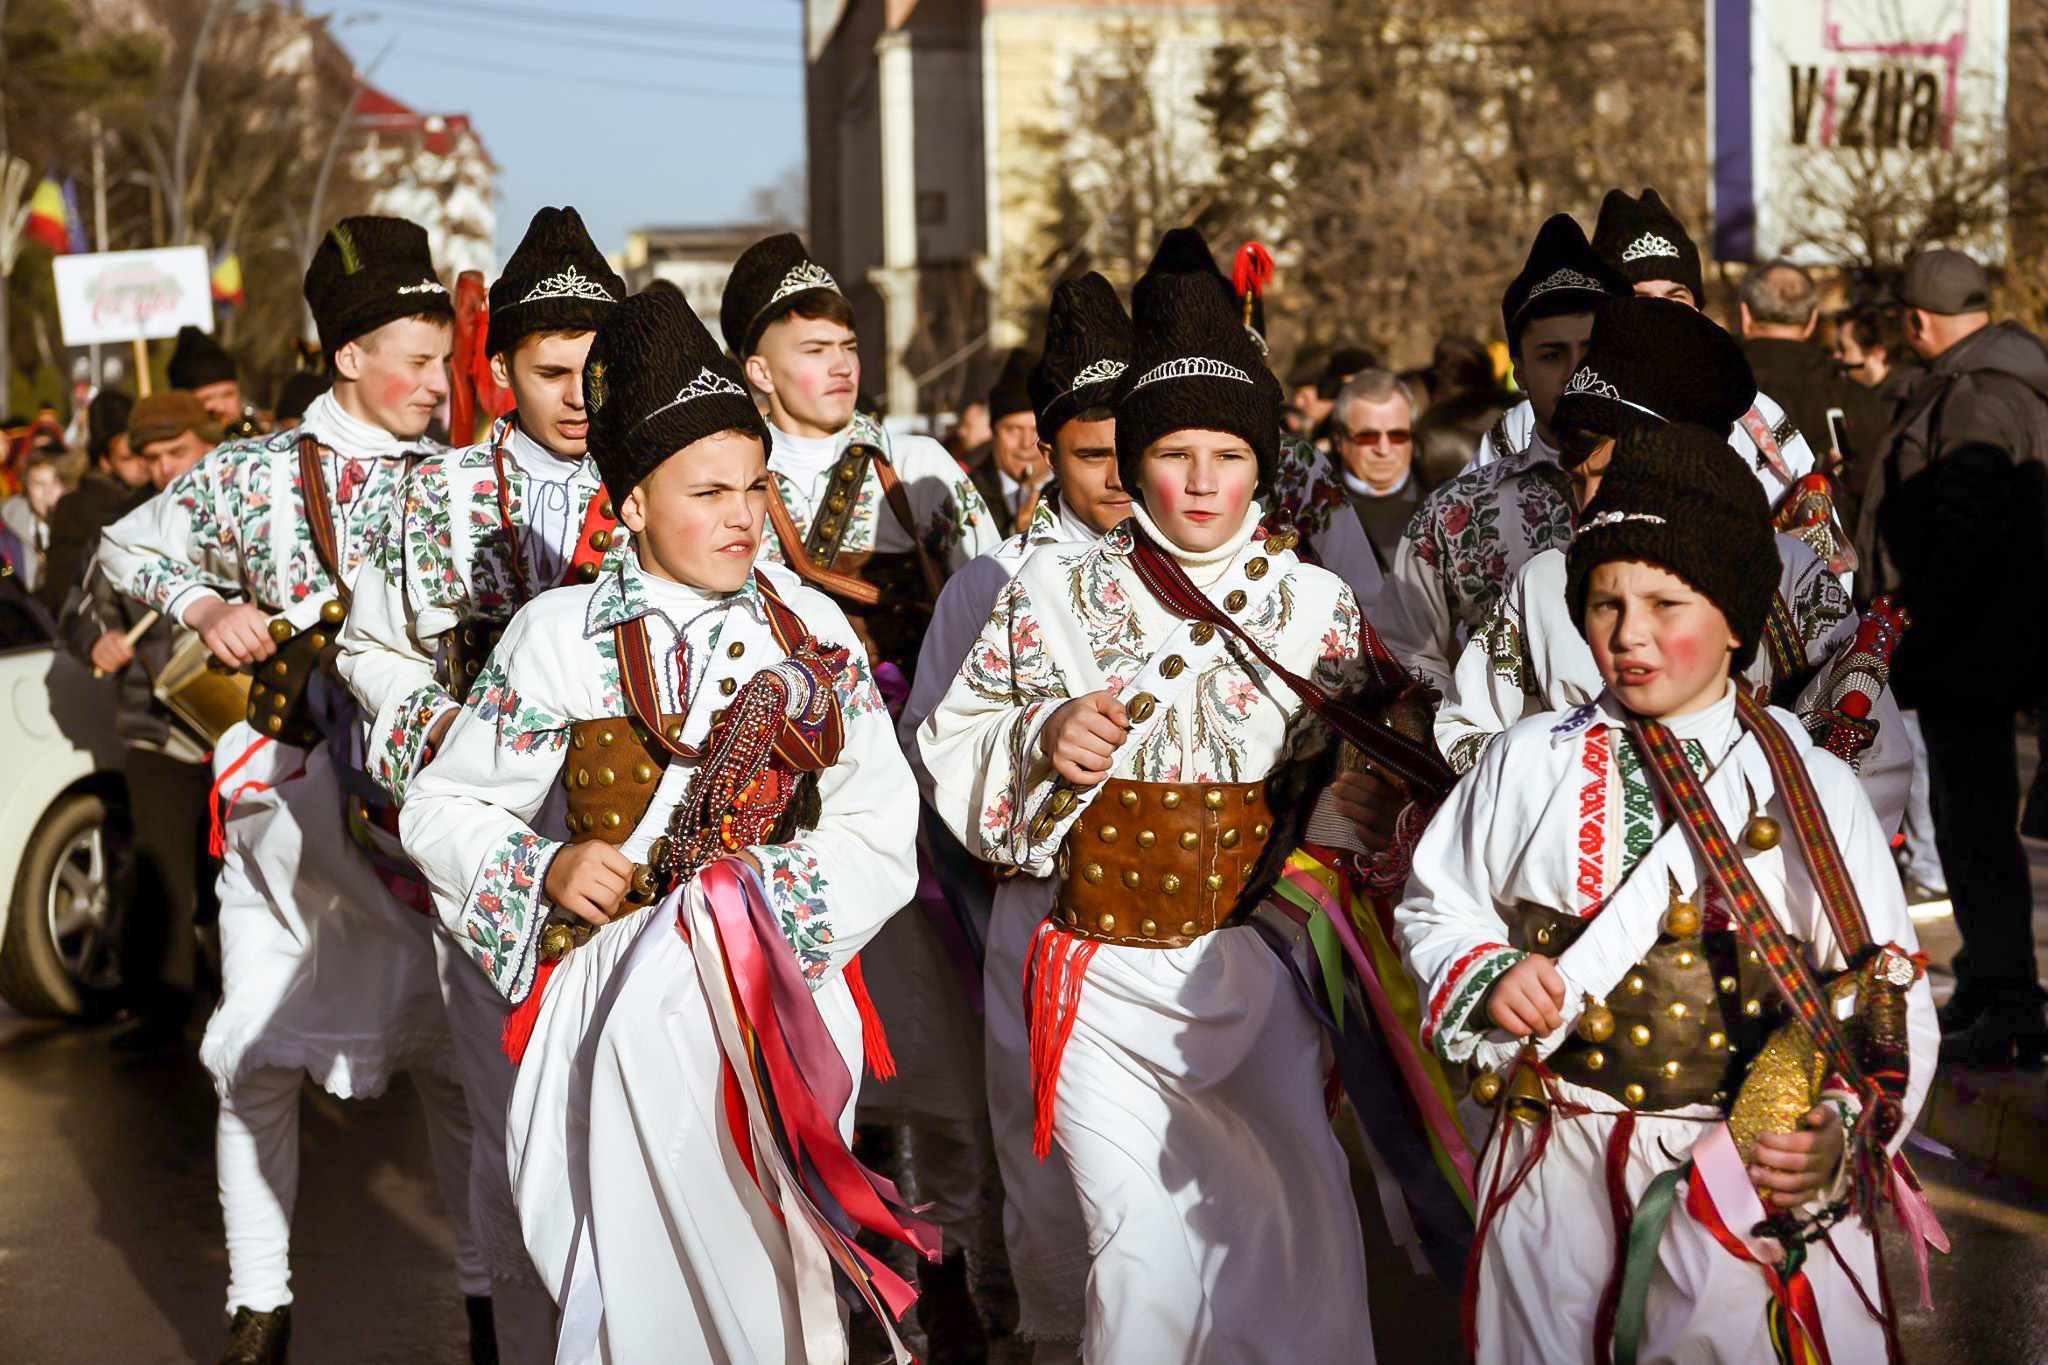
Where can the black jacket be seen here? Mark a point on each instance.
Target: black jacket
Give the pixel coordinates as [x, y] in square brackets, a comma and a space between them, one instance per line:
[76, 521]
[1957, 524]
[1809, 385]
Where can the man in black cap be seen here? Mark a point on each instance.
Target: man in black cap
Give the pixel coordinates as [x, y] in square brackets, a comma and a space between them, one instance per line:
[328, 964]
[1007, 471]
[115, 485]
[724, 752]
[475, 535]
[1956, 522]
[1471, 534]
[201, 366]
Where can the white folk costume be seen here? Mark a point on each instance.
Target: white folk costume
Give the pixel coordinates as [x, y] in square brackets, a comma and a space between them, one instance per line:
[677, 1205]
[1528, 655]
[323, 968]
[1704, 981]
[474, 535]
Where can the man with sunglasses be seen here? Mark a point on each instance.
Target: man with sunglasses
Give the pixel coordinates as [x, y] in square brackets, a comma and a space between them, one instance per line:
[1374, 435]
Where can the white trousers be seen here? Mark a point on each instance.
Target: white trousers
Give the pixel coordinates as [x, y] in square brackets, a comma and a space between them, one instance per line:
[1923, 860]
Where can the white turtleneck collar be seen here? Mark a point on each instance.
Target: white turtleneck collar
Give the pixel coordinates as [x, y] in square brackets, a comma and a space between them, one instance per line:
[801, 457]
[1069, 526]
[348, 436]
[1203, 566]
[1362, 489]
[1714, 726]
[537, 461]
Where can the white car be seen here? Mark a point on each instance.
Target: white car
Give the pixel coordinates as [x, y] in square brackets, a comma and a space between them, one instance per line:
[60, 790]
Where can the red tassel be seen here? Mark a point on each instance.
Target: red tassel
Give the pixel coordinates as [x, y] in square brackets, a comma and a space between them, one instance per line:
[1252, 271]
[217, 834]
[874, 1042]
[519, 1023]
[1052, 998]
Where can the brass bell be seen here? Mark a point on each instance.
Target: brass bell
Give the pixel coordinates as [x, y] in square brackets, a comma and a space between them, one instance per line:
[1141, 707]
[1527, 1100]
[1234, 601]
[332, 611]
[1596, 1025]
[1682, 920]
[280, 629]
[1762, 833]
[555, 942]
[1486, 1087]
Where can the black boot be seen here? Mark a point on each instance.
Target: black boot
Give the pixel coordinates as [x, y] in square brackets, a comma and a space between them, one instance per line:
[945, 1309]
[258, 1338]
[1963, 1009]
[483, 1330]
[2008, 1032]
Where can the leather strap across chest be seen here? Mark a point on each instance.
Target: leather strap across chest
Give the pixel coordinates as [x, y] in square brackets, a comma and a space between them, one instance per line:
[319, 507]
[812, 557]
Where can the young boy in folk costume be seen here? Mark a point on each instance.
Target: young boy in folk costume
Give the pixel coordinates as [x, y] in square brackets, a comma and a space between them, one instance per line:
[473, 536]
[687, 1071]
[325, 970]
[1087, 349]
[1112, 730]
[1675, 911]
[1651, 364]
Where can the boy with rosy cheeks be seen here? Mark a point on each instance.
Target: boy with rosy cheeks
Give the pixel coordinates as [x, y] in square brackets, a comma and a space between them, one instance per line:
[1577, 910]
[1120, 730]
[699, 711]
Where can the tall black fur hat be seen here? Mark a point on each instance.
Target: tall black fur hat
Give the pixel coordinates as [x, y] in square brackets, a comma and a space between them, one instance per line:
[1193, 365]
[556, 281]
[654, 382]
[1012, 389]
[1644, 240]
[198, 360]
[1087, 349]
[1678, 497]
[369, 271]
[1562, 275]
[1184, 251]
[1652, 361]
[770, 278]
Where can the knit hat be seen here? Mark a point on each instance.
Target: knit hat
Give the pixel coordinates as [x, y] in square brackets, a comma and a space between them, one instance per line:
[167, 415]
[369, 271]
[1345, 364]
[105, 418]
[1678, 497]
[1562, 275]
[1012, 389]
[768, 281]
[654, 382]
[198, 360]
[1652, 361]
[1645, 241]
[298, 393]
[1184, 251]
[1087, 349]
[556, 281]
[1193, 366]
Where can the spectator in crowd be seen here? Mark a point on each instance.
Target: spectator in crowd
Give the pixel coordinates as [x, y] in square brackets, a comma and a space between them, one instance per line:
[1319, 418]
[1842, 420]
[1871, 348]
[971, 432]
[1464, 400]
[116, 482]
[172, 877]
[200, 366]
[1008, 471]
[298, 391]
[1301, 392]
[1375, 435]
[46, 475]
[1957, 524]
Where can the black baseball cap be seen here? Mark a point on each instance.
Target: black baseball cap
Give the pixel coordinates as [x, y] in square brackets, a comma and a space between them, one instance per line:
[1944, 281]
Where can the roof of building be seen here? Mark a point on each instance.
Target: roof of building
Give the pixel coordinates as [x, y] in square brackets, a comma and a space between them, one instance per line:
[438, 133]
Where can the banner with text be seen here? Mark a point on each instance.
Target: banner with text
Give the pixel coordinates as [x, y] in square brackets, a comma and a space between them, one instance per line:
[113, 296]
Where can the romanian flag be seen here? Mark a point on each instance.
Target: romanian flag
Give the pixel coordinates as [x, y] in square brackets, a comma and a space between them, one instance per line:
[227, 280]
[53, 217]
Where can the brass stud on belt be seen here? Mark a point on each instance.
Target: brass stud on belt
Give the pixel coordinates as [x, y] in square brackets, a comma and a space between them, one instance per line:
[1671, 1069]
[1633, 1093]
[605, 510]
[830, 528]
[1107, 924]
[1188, 928]
[604, 737]
[1259, 830]
[277, 701]
[280, 629]
[332, 611]
[1543, 935]
[1595, 1060]
[1634, 985]
[1214, 881]
[675, 732]
[1229, 839]
[1677, 1009]
[1141, 707]
[1255, 570]
[1235, 601]
[718, 716]
[1687, 958]
[1727, 985]
[1190, 839]
[837, 502]
[643, 772]
[274, 724]
[1682, 920]
[611, 819]
[583, 777]
[1640, 1035]
[1092, 874]
[1108, 834]
[281, 669]
[1172, 666]
[1146, 838]
[1717, 1041]
[605, 777]
[1596, 1025]
[735, 649]
[1752, 1008]
[319, 640]
[600, 540]
[586, 572]
[1203, 633]
[1170, 884]
[1171, 800]
[1213, 798]
[469, 635]
[728, 686]
[1755, 956]
[1251, 796]
[1131, 877]
[1127, 798]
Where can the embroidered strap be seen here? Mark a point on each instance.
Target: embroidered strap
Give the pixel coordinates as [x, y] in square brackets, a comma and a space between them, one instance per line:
[319, 506]
[1781, 637]
[800, 563]
[1823, 855]
[1416, 764]
[899, 503]
[828, 527]
[1767, 443]
[513, 548]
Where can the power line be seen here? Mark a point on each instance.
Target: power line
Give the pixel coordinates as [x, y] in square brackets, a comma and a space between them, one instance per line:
[579, 78]
[789, 64]
[555, 19]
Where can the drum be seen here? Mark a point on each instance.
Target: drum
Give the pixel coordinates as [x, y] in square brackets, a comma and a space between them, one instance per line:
[195, 689]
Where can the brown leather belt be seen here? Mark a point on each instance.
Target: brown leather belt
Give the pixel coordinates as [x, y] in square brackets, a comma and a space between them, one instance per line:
[469, 648]
[1159, 864]
[278, 705]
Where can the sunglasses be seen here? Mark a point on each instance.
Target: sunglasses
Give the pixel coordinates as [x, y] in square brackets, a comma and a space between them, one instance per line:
[1400, 438]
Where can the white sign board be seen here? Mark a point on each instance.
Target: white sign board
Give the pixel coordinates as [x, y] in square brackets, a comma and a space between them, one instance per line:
[108, 296]
[1840, 125]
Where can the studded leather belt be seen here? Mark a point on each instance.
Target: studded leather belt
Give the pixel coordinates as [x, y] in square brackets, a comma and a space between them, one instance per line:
[1159, 864]
[277, 688]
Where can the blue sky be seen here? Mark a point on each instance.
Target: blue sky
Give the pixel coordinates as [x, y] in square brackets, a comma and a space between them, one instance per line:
[635, 111]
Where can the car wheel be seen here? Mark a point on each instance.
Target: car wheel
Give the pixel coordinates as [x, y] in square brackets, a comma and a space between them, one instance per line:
[61, 954]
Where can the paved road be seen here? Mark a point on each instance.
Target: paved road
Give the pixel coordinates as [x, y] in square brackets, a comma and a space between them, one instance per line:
[110, 1237]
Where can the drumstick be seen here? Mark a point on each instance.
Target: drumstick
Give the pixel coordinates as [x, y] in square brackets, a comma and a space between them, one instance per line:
[135, 632]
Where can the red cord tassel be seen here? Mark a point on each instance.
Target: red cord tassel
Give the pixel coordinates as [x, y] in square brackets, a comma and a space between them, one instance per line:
[1052, 998]
[874, 1042]
[519, 1023]
[217, 833]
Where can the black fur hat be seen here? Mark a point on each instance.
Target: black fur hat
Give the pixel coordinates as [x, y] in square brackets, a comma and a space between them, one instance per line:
[770, 278]
[1193, 366]
[556, 281]
[654, 382]
[1645, 241]
[1562, 275]
[1087, 349]
[105, 418]
[198, 360]
[1012, 389]
[369, 271]
[1678, 497]
[1652, 361]
[1184, 251]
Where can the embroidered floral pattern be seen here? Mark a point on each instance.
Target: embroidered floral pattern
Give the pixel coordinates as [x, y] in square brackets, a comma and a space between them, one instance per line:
[1305, 488]
[522, 727]
[797, 888]
[1476, 530]
[501, 923]
[400, 749]
[1461, 993]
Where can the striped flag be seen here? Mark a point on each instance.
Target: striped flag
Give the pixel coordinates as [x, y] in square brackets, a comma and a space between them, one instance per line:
[227, 280]
[53, 217]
